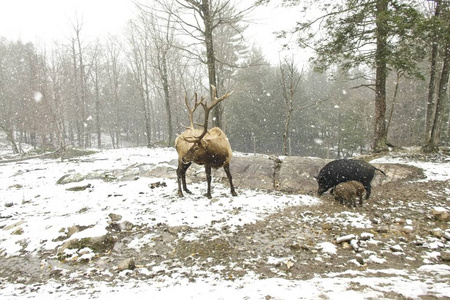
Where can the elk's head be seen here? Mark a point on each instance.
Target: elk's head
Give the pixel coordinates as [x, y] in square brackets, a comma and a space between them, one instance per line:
[198, 151]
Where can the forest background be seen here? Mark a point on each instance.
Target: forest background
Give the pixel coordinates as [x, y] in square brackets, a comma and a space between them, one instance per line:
[129, 89]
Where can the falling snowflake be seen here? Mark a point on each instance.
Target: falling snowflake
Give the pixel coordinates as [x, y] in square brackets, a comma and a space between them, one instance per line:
[37, 96]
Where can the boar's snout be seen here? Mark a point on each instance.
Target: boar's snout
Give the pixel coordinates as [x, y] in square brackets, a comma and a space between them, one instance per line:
[321, 190]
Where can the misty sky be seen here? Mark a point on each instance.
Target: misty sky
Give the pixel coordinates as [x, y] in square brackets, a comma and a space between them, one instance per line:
[46, 21]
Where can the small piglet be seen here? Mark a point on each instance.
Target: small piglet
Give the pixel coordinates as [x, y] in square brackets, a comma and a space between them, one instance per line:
[349, 191]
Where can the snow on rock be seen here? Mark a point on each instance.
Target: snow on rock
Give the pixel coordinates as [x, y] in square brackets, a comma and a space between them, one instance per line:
[438, 269]
[327, 247]
[437, 171]
[440, 213]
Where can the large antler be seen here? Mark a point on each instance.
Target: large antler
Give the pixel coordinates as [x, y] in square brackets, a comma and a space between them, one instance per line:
[192, 110]
[207, 108]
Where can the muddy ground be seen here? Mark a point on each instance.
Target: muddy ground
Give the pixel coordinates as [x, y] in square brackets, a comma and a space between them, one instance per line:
[400, 233]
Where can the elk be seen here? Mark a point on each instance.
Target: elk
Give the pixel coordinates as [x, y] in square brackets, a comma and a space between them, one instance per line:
[202, 146]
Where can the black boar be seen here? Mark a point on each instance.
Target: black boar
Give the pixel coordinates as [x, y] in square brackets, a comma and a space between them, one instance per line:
[349, 191]
[342, 170]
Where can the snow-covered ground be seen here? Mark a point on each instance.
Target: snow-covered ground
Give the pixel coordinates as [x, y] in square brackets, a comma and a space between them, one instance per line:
[35, 213]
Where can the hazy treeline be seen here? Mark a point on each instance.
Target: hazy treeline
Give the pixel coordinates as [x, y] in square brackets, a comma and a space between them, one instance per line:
[129, 90]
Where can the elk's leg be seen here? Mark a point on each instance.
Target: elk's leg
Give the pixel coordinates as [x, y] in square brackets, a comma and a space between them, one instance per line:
[208, 180]
[181, 177]
[230, 179]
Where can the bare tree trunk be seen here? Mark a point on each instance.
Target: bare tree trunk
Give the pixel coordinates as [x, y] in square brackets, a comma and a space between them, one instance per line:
[433, 144]
[394, 100]
[79, 132]
[10, 135]
[84, 138]
[380, 133]
[165, 81]
[97, 112]
[431, 105]
[433, 133]
[211, 59]
[289, 80]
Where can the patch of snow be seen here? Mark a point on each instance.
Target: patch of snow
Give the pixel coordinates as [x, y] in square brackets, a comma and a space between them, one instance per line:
[443, 270]
[328, 248]
[377, 260]
[432, 170]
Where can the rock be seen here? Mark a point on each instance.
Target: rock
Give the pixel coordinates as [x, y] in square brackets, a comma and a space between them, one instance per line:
[295, 174]
[295, 246]
[382, 229]
[126, 226]
[375, 221]
[440, 213]
[327, 226]
[115, 217]
[445, 256]
[17, 224]
[70, 178]
[360, 260]
[72, 230]
[365, 236]
[9, 204]
[373, 258]
[17, 231]
[355, 245]
[16, 186]
[437, 232]
[178, 229]
[408, 229]
[157, 184]
[345, 238]
[346, 245]
[108, 177]
[396, 248]
[62, 179]
[253, 172]
[127, 264]
[447, 235]
[100, 244]
[79, 188]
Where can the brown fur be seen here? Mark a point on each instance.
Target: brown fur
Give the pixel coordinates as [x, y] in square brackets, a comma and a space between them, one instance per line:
[349, 191]
[209, 148]
[213, 151]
